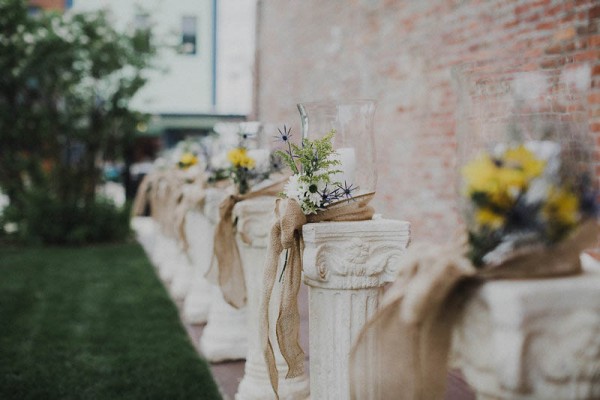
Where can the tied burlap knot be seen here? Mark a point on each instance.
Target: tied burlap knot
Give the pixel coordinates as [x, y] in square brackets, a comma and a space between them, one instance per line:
[142, 196]
[226, 267]
[192, 196]
[286, 234]
[402, 352]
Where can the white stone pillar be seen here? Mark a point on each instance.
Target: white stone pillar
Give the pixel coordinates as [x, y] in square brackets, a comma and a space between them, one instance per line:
[255, 218]
[532, 339]
[345, 267]
[200, 236]
[167, 264]
[225, 336]
[182, 278]
[145, 232]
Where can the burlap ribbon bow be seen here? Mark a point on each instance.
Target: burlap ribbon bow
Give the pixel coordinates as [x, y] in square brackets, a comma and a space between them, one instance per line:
[142, 196]
[226, 268]
[191, 196]
[402, 353]
[286, 234]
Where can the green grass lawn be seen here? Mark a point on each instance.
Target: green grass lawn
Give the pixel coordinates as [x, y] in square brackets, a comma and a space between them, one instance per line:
[92, 323]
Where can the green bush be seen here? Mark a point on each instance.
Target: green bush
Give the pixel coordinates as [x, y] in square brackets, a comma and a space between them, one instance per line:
[66, 83]
[49, 220]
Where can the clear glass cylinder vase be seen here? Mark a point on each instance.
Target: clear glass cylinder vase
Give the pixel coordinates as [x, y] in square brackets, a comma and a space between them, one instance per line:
[353, 141]
[524, 154]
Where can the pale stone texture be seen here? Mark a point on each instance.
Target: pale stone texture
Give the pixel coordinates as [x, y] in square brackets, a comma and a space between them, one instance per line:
[225, 336]
[165, 257]
[200, 236]
[532, 339]
[345, 266]
[182, 278]
[145, 232]
[255, 218]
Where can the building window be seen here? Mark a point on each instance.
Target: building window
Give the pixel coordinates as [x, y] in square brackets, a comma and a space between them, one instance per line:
[188, 35]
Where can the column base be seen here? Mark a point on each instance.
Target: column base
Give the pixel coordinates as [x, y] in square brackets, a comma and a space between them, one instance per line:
[182, 278]
[196, 305]
[168, 265]
[258, 387]
[225, 336]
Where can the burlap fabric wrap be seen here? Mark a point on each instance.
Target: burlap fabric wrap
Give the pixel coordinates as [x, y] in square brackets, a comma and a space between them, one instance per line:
[226, 267]
[192, 196]
[171, 194]
[142, 196]
[286, 234]
[402, 353]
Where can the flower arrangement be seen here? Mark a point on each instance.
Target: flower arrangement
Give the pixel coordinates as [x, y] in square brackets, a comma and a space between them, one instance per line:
[244, 165]
[187, 160]
[316, 180]
[518, 196]
[241, 168]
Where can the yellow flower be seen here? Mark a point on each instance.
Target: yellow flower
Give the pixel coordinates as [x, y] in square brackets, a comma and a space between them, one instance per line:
[511, 178]
[479, 174]
[483, 175]
[247, 162]
[502, 180]
[486, 217]
[562, 207]
[522, 159]
[239, 158]
[187, 160]
[236, 155]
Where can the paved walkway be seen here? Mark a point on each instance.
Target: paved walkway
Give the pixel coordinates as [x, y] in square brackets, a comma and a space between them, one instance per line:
[229, 374]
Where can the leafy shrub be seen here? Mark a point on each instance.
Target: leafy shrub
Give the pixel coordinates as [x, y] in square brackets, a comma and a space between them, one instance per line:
[49, 220]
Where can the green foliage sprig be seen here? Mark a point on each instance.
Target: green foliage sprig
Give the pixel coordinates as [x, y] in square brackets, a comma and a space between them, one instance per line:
[314, 165]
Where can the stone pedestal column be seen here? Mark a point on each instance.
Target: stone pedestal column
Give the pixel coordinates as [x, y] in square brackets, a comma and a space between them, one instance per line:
[345, 267]
[255, 218]
[182, 278]
[225, 336]
[145, 233]
[200, 236]
[533, 339]
[170, 261]
[163, 255]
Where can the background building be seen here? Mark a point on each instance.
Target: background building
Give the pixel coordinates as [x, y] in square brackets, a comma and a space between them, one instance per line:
[204, 68]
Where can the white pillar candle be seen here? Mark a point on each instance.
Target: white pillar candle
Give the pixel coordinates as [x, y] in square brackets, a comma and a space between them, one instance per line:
[347, 158]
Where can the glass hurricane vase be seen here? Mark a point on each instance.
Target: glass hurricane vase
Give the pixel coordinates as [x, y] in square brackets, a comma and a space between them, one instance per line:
[353, 140]
[525, 156]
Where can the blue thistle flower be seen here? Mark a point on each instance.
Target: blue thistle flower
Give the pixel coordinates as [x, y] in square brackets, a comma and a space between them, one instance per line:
[329, 196]
[285, 135]
[347, 190]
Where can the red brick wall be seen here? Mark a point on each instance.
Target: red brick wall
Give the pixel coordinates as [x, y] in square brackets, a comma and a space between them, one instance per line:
[400, 53]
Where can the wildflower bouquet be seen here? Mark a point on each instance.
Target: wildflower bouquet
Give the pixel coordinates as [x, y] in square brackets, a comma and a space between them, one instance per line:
[187, 160]
[521, 195]
[247, 167]
[315, 183]
[241, 168]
